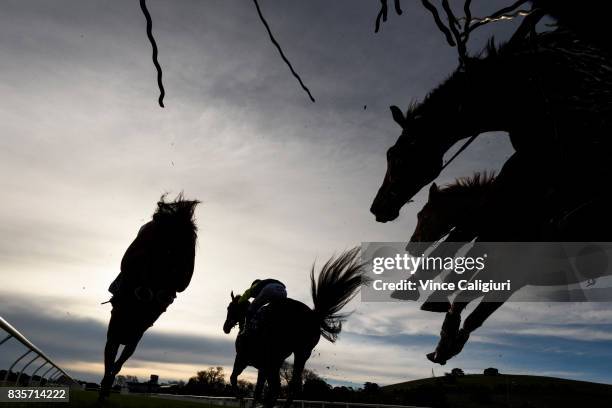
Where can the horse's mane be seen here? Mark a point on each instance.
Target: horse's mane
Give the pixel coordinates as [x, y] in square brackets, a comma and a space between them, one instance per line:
[559, 47]
[179, 211]
[478, 182]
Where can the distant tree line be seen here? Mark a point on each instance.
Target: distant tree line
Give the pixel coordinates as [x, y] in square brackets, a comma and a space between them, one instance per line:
[211, 381]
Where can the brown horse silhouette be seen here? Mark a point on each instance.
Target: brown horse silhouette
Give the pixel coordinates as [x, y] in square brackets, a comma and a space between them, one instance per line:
[290, 327]
[463, 210]
[549, 91]
[158, 264]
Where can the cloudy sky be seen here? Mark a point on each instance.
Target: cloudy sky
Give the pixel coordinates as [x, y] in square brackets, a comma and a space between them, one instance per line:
[85, 153]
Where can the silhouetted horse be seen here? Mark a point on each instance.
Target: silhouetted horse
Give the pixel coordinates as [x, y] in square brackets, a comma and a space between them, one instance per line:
[449, 214]
[549, 91]
[460, 212]
[587, 18]
[289, 326]
[157, 265]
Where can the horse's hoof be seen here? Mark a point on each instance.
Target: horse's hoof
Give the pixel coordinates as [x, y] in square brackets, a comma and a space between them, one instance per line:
[103, 396]
[434, 358]
[437, 307]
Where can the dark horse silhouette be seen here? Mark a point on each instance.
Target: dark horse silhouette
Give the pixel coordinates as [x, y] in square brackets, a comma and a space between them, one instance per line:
[459, 212]
[158, 264]
[587, 18]
[548, 91]
[290, 327]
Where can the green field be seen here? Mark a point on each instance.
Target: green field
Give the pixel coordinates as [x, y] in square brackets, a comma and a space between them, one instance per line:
[89, 399]
[516, 391]
[469, 391]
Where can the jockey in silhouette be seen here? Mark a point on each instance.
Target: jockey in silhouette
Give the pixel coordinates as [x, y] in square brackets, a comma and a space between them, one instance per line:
[262, 292]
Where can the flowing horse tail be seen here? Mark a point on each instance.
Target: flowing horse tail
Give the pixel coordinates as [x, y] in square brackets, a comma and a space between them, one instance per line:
[337, 283]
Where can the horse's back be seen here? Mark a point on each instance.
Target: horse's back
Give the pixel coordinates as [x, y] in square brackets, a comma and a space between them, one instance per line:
[289, 322]
[166, 252]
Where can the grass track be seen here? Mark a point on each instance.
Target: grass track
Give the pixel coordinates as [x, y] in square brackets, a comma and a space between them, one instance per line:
[89, 399]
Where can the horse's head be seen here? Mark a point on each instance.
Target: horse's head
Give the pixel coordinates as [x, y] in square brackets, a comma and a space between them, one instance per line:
[453, 207]
[433, 222]
[236, 313]
[413, 162]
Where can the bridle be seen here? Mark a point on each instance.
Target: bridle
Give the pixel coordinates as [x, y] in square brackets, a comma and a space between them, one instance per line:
[458, 152]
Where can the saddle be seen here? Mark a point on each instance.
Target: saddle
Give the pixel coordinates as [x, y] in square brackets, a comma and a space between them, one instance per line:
[142, 296]
[259, 320]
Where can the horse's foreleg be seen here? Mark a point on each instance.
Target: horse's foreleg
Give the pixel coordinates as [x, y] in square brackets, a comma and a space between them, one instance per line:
[438, 300]
[110, 352]
[239, 366]
[261, 380]
[490, 303]
[439, 303]
[475, 319]
[126, 353]
[449, 334]
[273, 378]
[295, 386]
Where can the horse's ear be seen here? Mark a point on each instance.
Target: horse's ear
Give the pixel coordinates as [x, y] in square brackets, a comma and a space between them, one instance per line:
[232, 295]
[433, 190]
[398, 116]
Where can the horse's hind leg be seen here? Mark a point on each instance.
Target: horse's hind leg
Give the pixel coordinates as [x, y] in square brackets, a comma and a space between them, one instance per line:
[299, 361]
[261, 380]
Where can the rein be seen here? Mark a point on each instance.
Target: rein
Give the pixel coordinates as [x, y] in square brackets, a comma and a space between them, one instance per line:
[461, 149]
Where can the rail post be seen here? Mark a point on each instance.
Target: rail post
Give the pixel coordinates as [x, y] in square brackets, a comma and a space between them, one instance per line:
[42, 377]
[35, 371]
[24, 367]
[5, 339]
[14, 333]
[6, 375]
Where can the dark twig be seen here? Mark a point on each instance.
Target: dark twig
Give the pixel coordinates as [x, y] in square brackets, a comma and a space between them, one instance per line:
[398, 7]
[162, 92]
[468, 19]
[434, 12]
[453, 24]
[382, 14]
[280, 50]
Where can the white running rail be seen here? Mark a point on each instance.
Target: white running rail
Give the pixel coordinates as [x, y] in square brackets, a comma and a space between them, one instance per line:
[52, 371]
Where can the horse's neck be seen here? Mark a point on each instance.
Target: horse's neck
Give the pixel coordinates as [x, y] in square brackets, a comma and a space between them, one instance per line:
[464, 205]
[487, 98]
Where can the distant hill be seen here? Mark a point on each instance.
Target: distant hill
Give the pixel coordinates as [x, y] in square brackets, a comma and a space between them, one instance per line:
[516, 391]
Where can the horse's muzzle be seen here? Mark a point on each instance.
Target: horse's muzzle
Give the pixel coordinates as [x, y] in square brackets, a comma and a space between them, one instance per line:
[382, 211]
[227, 327]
